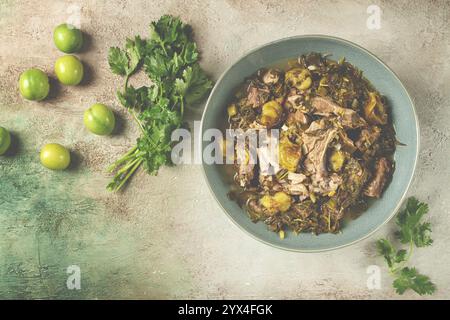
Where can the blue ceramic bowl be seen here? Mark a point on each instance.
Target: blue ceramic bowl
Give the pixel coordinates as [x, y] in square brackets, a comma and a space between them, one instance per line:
[404, 119]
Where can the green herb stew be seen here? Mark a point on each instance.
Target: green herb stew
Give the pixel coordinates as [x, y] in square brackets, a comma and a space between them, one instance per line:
[336, 144]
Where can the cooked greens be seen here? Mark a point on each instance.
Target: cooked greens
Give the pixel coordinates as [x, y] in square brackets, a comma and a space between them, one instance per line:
[335, 148]
[170, 60]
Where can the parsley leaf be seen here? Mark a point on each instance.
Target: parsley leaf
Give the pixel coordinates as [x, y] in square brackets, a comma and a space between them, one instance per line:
[390, 254]
[166, 30]
[409, 278]
[133, 98]
[400, 256]
[415, 233]
[124, 62]
[193, 85]
[158, 66]
[170, 60]
[189, 54]
[118, 61]
[411, 229]
[386, 249]
[422, 236]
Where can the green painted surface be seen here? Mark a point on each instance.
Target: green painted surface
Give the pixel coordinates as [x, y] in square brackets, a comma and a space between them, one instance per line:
[48, 222]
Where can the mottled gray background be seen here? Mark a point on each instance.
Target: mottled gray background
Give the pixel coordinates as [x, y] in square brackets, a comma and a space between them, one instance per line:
[165, 237]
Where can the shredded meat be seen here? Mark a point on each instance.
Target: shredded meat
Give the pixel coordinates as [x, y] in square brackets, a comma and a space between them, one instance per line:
[295, 101]
[298, 117]
[325, 184]
[382, 174]
[346, 143]
[257, 96]
[271, 76]
[267, 182]
[348, 117]
[296, 184]
[245, 174]
[316, 140]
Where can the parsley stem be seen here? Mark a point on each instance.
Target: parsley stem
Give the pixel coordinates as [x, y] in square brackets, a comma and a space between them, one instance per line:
[127, 166]
[113, 166]
[163, 47]
[411, 248]
[126, 82]
[133, 113]
[130, 173]
[123, 159]
[182, 107]
[399, 266]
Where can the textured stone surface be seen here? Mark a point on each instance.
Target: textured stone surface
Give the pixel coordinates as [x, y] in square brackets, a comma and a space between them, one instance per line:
[165, 237]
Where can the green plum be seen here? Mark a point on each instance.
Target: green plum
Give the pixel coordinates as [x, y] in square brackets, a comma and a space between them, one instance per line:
[34, 85]
[68, 38]
[69, 70]
[5, 140]
[54, 156]
[99, 119]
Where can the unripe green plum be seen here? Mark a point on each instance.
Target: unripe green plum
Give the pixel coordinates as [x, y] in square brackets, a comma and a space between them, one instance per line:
[34, 85]
[54, 156]
[68, 38]
[99, 119]
[69, 70]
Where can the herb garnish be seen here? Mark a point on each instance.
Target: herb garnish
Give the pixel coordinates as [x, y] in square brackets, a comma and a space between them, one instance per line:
[170, 59]
[415, 233]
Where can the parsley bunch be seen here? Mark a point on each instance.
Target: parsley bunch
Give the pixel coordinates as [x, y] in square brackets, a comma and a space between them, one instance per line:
[415, 233]
[169, 57]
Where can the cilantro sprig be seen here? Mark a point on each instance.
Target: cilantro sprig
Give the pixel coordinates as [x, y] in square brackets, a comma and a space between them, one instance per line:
[416, 233]
[169, 57]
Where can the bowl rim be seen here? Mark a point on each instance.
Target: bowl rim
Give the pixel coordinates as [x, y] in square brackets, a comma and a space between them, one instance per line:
[348, 42]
